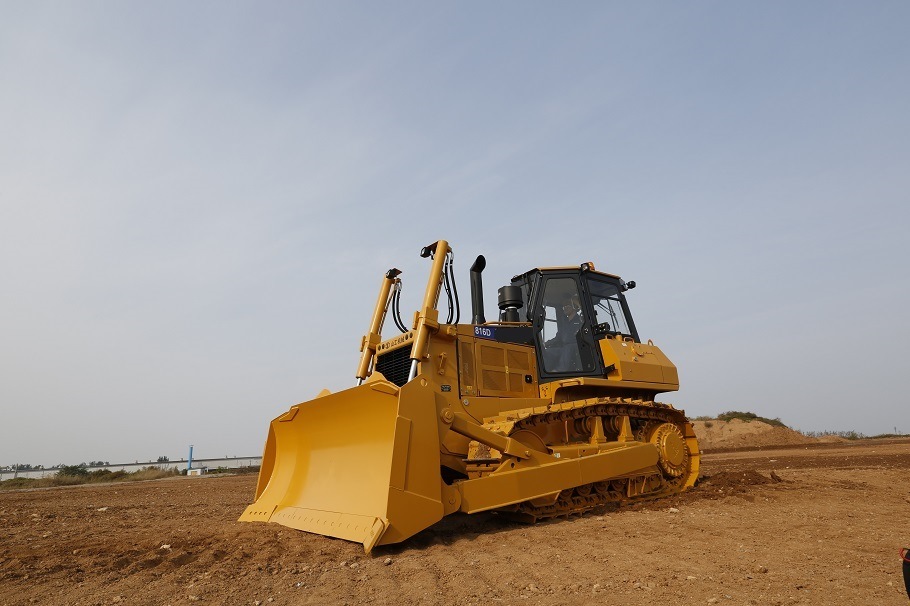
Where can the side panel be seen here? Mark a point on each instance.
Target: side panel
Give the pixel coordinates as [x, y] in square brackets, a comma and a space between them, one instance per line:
[638, 363]
[505, 370]
[493, 369]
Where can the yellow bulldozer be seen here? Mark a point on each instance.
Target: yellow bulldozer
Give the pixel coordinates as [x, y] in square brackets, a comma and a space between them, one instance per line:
[547, 411]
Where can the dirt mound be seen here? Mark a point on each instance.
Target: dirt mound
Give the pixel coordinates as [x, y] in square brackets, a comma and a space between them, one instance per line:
[736, 433]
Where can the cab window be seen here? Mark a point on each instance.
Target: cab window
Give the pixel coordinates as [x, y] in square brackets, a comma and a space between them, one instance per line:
[609, 316]
[560, 331]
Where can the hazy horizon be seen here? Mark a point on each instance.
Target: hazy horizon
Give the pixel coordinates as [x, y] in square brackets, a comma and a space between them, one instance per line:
[198, 201]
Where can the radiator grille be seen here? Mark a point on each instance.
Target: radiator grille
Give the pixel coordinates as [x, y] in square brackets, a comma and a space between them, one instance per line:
[395, 365]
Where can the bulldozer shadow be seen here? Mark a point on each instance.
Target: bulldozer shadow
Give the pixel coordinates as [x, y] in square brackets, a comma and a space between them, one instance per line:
[462, 527]
[451, 530]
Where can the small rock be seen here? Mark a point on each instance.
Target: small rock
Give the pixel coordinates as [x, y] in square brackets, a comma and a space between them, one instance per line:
[193, 598]
[776, 477]
[712, 600]
[101, 509]
[116, 599]
[761, 569]
[271, 600]
[387, 561]
[673, 510]
[165, 546]
[344, 562]
[691, 578]
[257, 603]
[354, 564]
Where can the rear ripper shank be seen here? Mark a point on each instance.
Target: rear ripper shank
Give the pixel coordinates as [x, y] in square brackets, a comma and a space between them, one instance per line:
[547, 411]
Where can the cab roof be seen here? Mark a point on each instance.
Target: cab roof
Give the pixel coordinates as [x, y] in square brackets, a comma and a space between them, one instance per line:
[567, 268]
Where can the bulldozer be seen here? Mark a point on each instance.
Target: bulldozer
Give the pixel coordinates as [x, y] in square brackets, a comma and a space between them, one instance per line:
[547, 411]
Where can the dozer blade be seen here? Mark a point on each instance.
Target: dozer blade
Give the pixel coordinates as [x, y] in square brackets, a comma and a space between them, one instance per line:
[361, 465]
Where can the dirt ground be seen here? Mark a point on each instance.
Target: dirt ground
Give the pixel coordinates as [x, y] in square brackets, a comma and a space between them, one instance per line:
[828, 533]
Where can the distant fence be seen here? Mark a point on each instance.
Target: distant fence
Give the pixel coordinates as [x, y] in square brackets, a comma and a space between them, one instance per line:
[228, 463]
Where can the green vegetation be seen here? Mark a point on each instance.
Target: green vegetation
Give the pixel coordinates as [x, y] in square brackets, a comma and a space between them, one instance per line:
[70, 475]
[847, 435]
[747, 417]
[742, 416]
[851, 435]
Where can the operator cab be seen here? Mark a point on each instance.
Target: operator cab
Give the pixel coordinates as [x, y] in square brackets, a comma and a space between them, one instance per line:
[570, 309]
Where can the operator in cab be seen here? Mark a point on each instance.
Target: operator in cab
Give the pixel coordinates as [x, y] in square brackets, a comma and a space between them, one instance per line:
[563, 348]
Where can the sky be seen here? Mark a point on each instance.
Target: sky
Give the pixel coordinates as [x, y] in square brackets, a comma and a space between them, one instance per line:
[198, 200]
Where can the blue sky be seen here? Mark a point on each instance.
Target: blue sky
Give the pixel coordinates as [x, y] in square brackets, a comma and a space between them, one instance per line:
[197, 201]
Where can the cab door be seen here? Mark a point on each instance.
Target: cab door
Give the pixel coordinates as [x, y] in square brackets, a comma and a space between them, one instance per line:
[562, 330]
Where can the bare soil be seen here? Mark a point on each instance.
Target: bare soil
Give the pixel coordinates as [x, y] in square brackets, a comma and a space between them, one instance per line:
[828, 532]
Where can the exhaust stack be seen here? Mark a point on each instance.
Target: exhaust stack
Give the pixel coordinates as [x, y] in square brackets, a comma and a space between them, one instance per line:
[477, 290]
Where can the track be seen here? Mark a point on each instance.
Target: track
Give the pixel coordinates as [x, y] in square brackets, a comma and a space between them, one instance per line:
[585, 424]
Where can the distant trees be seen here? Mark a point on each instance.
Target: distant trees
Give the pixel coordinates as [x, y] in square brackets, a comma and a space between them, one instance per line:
[163, 459]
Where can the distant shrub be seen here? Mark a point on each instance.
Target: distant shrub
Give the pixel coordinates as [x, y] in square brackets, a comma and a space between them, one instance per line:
[245, 470]
[747, 417]
[70, 475]
[106, 475]
[20, 483]
[72, 471]
[709, 424]
[847, 435]
[153, 473]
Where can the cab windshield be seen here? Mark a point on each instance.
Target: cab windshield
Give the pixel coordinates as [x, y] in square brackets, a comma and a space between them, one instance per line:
[608, 311]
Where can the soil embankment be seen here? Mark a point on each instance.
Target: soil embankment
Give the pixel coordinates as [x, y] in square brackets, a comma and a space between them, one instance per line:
[736, 433]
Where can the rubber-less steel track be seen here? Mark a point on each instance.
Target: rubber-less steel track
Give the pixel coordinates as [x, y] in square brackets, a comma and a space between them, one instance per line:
[649, 421]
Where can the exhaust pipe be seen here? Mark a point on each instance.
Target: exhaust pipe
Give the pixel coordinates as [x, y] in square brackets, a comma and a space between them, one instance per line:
[477, 291]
